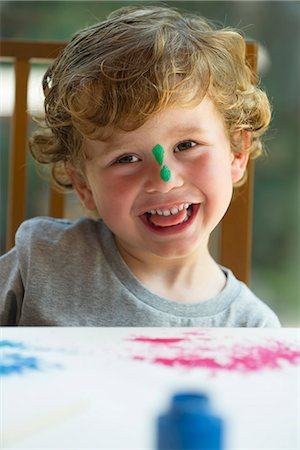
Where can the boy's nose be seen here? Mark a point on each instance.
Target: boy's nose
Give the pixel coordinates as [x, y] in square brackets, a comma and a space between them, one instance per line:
[162, 178]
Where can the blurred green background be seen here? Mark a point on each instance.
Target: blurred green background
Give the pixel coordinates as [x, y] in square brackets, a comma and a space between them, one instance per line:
[276, 27]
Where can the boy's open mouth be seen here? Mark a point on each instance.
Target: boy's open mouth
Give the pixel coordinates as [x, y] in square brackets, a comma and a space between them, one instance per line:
[161, 219]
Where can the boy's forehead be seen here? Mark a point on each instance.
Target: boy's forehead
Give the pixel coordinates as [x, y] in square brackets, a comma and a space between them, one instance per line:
[175, 122]
[119, 137]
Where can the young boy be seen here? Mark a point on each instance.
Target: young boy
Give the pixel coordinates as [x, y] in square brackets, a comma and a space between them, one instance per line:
[151, 118]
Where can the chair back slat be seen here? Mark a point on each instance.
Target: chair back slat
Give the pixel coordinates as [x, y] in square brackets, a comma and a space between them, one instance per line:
[236, 226]
[22, 54]
[236, 231]
[17, 166]
[30, 50]
[56, 206]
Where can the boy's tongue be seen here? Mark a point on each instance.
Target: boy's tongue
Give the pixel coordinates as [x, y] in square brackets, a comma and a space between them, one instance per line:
[167, 221]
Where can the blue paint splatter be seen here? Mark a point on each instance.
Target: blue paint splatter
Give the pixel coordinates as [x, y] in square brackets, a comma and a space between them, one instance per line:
[10, 344]
[16, 359]
[15, 363]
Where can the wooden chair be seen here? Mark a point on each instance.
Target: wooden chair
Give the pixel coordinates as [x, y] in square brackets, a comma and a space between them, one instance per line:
[236, 227]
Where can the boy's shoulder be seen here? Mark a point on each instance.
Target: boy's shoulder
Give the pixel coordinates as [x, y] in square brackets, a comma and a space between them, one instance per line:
[42, 223]
[246, 308]
[49, 232]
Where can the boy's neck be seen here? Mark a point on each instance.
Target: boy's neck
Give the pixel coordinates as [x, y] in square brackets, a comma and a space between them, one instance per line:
[189, 279]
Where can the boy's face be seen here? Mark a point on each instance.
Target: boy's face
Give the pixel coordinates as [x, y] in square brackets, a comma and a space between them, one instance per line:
[124, 181]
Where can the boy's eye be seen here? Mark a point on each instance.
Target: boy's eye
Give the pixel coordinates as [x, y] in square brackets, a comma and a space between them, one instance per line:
[185, 145]
[127, 159]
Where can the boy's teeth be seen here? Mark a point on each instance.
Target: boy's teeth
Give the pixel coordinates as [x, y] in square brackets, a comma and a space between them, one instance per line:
[168, 212]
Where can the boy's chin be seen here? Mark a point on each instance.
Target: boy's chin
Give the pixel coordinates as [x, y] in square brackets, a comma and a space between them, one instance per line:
[161, 250]
[184, 248]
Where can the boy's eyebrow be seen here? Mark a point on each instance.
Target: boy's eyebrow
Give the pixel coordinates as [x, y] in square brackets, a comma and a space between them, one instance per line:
[189, 129]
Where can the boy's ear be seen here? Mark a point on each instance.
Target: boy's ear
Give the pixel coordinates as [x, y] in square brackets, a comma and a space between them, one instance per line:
[240, 159]
[81, 186]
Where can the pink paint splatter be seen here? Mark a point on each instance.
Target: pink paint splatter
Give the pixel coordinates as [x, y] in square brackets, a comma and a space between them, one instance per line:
[188, 352]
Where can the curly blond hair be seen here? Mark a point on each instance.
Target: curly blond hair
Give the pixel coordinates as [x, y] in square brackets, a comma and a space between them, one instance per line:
[140, 60]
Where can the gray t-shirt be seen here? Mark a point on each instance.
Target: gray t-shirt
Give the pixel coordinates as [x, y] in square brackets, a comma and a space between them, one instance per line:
[64, 273]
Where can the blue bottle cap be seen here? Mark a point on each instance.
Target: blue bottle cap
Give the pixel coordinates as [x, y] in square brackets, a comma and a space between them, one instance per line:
[189, 424]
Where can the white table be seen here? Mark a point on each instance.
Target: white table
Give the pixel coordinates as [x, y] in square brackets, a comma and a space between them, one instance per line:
[103, 388]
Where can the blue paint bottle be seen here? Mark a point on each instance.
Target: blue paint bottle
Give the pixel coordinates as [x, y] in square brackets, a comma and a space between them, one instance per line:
[189, 424]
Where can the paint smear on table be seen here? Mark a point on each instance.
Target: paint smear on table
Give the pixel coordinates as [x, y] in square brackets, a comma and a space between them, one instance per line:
[201, 350]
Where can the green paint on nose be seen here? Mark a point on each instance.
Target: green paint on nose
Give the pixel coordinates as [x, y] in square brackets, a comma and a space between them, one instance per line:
[158, 153]
[165, 173]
